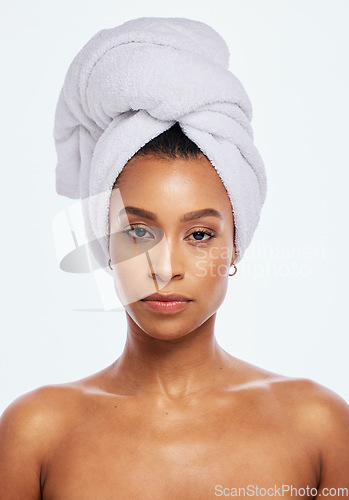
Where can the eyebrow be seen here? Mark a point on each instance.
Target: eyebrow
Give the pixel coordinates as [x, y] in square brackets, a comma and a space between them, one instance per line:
[189, 216]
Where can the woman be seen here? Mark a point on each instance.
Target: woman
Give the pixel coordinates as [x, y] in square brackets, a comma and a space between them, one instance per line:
[175, 416]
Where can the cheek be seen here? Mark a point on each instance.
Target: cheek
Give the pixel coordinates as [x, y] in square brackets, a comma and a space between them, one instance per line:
[132, 280]
[210, 273]
[212, 262]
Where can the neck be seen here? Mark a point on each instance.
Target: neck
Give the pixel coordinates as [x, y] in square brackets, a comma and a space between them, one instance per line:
[174, 368]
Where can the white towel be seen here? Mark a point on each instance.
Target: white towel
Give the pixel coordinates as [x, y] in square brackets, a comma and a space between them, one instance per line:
[129, 84]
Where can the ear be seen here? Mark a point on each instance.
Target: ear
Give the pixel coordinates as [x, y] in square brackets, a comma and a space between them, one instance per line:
[233, 257]
[234, 254]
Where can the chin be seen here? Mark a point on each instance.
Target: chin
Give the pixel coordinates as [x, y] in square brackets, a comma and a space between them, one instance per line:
[165, 326]
[168, 335]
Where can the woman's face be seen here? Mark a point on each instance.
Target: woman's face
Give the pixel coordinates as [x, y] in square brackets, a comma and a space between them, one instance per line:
[163, 241]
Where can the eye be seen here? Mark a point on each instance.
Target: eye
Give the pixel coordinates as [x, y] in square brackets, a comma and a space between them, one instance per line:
[139, 232]
[199, 235]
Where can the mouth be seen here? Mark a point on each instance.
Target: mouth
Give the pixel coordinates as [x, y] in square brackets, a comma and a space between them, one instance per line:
[166, 302]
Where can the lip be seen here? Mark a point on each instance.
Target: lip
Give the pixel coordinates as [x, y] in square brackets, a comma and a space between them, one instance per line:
[166, 302]
[167, 297]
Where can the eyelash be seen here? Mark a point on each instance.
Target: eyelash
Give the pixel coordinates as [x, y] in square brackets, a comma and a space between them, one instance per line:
[131, 227]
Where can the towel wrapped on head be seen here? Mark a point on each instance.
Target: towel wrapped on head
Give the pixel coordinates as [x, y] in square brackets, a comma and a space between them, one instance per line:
[129, 84]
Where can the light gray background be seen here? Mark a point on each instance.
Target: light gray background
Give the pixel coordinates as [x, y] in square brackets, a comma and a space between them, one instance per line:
[286, 309]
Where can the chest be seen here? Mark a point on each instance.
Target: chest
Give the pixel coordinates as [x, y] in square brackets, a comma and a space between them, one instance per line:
[151, 456]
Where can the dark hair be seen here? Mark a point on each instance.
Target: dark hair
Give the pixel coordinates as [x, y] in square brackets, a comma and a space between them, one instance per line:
[172, 144]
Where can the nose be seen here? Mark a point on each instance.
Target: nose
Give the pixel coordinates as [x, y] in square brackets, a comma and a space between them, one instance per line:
[166, 261]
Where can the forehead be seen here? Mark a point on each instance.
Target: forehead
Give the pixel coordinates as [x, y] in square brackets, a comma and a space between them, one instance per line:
[172, 183]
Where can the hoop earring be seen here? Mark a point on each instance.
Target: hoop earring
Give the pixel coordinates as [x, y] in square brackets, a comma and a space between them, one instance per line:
[109, 262]
[234, 271]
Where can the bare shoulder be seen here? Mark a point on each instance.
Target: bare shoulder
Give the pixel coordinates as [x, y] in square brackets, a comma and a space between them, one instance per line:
[314, 403]
[298, 392]
[305, 401]
[313, 412]
[324, 418]
[47, 408]
[36, 411]
[29, 428]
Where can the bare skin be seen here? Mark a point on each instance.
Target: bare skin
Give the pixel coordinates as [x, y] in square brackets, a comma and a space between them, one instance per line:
[175, 416]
